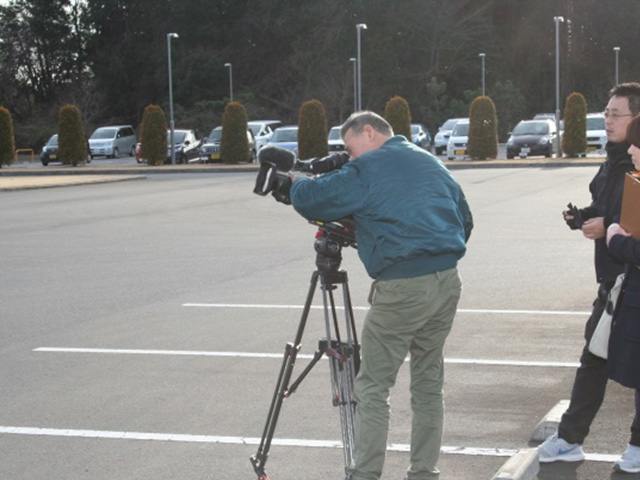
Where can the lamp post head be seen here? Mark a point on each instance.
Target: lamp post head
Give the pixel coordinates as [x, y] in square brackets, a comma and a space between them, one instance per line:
[616, 49]
[172, 35]
[361, 26]
[482, 55]
[227, 65]
[558, 19]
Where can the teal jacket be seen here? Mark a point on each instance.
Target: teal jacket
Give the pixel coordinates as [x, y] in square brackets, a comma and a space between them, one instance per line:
[411, 215]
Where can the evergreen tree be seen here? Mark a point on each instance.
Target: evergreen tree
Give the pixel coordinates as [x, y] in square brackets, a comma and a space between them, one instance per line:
[312, 131]
[7, 146]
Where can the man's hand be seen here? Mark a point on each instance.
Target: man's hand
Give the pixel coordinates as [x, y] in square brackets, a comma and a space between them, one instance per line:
[615, 229]
[593, 229]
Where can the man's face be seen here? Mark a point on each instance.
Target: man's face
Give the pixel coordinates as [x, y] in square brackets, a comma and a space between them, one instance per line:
[617, 117]
[359, 143]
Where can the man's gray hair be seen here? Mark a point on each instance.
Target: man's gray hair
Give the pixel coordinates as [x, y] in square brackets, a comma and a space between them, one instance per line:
[358, 120]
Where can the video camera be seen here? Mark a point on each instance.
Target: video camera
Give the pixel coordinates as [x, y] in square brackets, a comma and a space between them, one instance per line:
[276, 162]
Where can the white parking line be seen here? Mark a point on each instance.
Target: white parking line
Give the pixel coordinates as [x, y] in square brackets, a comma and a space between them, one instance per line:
[283, 442]
[199, 353]
[461, 310]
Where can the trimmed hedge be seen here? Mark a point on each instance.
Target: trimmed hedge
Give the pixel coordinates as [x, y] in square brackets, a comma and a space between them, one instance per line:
[483, 129]
[574, 139]
[312, 130]
[153, 138]
[72, 143]
[234, 144]
[398, 114]
[7, 142]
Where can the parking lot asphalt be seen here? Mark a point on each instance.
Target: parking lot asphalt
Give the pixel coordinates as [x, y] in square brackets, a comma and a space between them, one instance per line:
[158, 362]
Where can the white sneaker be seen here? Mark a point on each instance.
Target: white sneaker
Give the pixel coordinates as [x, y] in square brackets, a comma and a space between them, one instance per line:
[555, 448]
[630, 460]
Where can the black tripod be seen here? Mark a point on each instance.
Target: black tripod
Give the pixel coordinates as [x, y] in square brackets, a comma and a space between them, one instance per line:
[343, 351]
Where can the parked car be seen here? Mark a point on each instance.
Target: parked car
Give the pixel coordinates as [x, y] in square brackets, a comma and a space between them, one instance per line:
[420, 136]
[210, 148]
[50, 151]
[596, 133]
[336, 144]
[286, 137]
[457, 145]
[263, 130]
[113, 140]
[531, 138]
[187, 145]
[442, 137]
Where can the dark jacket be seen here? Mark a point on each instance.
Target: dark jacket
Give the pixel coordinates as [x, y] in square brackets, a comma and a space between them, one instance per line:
[411, 215]
[606, 193]
[624, 342]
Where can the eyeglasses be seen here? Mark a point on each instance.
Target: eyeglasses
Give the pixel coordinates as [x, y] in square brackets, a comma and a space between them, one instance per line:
[616, 116]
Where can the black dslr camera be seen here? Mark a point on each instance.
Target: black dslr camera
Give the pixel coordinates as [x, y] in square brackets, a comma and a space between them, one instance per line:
[276, 162]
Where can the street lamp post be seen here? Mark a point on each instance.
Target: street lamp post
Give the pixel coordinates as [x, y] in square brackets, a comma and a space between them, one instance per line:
[355, 83]
[617, 50]
[228, 65]
[482, 56]
[359, 27]
[171, 123]
[557, 20]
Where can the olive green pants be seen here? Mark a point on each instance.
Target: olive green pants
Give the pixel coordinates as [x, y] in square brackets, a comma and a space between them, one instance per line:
[411, 315]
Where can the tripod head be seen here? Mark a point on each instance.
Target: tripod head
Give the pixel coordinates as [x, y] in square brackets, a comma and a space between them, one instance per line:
[330, 239]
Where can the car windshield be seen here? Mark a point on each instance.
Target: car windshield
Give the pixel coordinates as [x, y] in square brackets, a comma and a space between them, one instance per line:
[415, 129]
[334, 133]
[460, 130]
[215, 135]
[53, 141]
[595, 123]
[178, 137]
[531, 128]
[104, 133]
[255, 129]
[449, 124]
[285, 135]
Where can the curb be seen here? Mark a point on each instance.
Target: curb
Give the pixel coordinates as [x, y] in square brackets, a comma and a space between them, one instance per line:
[523, 465]
[549, 423]
[253, 167]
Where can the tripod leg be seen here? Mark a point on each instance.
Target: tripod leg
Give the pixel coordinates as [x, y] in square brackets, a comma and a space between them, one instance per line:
[282, 386]
[344, 360]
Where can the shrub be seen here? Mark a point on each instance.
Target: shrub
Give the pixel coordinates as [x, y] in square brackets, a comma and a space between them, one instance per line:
[234, 144]
[72, 143]
[397, 113]
[574, 139]
[483, 129]
[312, 130]
[153, 138]
[7, 145]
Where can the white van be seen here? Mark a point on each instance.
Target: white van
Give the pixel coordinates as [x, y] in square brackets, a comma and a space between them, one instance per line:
[112, 141]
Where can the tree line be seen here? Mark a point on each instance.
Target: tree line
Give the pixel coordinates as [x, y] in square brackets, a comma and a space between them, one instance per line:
[110, 59]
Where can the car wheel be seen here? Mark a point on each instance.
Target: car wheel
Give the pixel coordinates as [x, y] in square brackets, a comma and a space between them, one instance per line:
[510, 157]
[116, 153]
[44, 163]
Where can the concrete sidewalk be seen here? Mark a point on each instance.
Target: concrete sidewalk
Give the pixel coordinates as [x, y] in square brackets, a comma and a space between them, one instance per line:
[28, 182]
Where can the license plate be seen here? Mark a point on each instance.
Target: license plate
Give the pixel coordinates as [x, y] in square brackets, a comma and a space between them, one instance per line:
[591, 148]
[53, 156]
[524, 150]
[459, 152]
[214, 156]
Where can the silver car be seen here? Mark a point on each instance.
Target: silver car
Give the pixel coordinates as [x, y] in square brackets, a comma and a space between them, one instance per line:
[112, 141]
